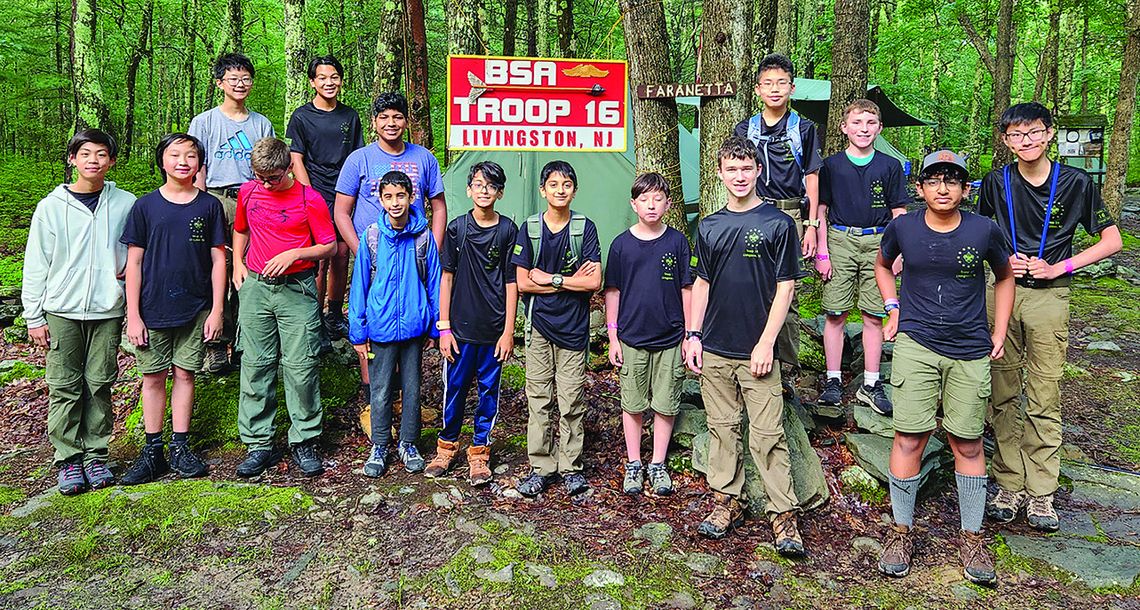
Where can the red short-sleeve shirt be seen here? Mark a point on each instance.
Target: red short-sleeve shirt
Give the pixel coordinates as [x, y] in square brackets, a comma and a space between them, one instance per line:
[280, 221]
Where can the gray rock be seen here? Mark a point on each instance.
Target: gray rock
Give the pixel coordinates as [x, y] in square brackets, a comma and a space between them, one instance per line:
[681, 600]
[1104, 487]
[372, 499]
[964, 592]
[691, 393]
[442, 500]
[468, 527]
[829, 413]
[34, 503]
[743, 602]
[601, 601]
[1076, 523]
[452, 585]
[690, 421]
[657, 534]
[481, 554]
[766, 571]
[603, 578]
[1119, 526]
[1103, 346]
[505, 574]
[1097, 565]
[865, 545]
[869, 421]
[873, 452]
[703, 563]
[544, 574]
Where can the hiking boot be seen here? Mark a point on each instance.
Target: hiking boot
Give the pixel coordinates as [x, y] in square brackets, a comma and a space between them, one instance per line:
[149, 466]
[71, 480]
[534, 484]
[326, 347]
[634, 478]
[445, 453]
[875, 396]
[335, 325]
[898, 550]
[1004, 506]
[98, 475]
[977, 563]
[659, 480]
[1041, 515]
[255, 463]
[785, 529]
[217, 360]
[726, 514]
[575, 483]
[479, 465]
[185, 462]
[377, 463]
[410, 456]
[832, 393]
[307, 459]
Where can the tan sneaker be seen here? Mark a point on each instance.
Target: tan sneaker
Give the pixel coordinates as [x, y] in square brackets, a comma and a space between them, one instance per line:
[785, 529]
[977, 562]
[445, 453]
[898, 551]
[726, 514]
[479, 465]
[1005, 505]
[1041, 515]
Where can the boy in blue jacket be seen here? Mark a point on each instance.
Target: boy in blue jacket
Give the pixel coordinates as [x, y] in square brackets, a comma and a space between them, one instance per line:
[393, 305]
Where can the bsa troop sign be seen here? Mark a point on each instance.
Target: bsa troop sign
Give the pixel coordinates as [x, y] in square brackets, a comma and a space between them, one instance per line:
[524, 103]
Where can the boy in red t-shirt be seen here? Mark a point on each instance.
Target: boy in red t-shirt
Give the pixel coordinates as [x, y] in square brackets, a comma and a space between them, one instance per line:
[278, 220]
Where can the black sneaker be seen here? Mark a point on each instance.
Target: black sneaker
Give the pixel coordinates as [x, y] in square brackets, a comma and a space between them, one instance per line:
[534, 484]
[875, 396]
[255, 463]
[185, 462]
[305, 454]
[150, 465]
[575, 483]
[335, 325]
[832, 393]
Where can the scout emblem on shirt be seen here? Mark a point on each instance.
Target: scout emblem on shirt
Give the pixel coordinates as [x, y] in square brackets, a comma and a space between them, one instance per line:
[1057, 218]
[346, 132]
[493, 255]
[877, 200]
[752, 240]
[968, 262]
[568, 261]
[668, 264]
[198, 230]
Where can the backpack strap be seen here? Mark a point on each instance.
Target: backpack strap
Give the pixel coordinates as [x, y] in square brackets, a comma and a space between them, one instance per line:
[372, 239]
[534, 234]
[754, 129]
[461, 232]
[577, 230]
[795, 138]
[421, 255]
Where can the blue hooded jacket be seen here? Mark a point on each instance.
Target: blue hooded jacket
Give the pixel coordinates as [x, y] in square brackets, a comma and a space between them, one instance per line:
[395, 305]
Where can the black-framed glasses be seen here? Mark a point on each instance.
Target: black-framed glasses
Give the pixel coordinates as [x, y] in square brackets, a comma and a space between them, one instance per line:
[1034, 135]
[271, 179]
[234, 81]
[480, 187]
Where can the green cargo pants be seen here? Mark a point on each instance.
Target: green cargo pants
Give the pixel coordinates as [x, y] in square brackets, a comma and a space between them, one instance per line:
[81, 368]
[279, 320]
[547, 366]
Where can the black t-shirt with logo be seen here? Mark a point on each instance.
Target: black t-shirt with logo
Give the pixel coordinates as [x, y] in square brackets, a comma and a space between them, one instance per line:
[562, 317]
[742, 255]
[942, 303]
[649, 276]
[781, 177]
[177, 264]
[325, 138]
[1077, 202]
[861, 196]
[482, 271]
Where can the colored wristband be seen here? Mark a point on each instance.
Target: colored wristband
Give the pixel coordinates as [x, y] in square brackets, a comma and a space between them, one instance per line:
[446, 331]
[1069, 266]
[891, 302]
[821, 257]
[611, 325]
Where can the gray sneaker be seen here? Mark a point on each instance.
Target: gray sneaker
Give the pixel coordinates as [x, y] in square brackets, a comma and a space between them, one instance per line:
[71, 480]
[410, 456]
[377, 463]
[659, 480]
[98, 475]
[634, 478]
[575, 483]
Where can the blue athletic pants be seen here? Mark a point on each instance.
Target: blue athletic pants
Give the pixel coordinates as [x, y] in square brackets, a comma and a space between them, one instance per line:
[474, 363]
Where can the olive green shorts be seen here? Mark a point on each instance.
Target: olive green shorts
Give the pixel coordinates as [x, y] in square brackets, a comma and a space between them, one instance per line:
[182, 346]
[852, 274]
[921, 377]
[651, 380]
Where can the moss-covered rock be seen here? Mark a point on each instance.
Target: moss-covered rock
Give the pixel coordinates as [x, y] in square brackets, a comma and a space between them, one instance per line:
[858, 482]
[11, 370]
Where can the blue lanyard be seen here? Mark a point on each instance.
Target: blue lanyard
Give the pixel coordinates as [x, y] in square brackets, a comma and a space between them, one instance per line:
[1048, 209]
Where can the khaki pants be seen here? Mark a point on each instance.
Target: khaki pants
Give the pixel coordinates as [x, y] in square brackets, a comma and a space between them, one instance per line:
[788, 342]
[728, 388]
[547, 366]
[81, 369]
[1028, 456]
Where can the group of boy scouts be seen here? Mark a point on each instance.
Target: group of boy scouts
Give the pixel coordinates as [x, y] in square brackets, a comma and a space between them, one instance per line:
[243, 216]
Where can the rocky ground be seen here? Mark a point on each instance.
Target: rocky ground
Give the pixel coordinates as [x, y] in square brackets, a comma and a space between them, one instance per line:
[342, 540]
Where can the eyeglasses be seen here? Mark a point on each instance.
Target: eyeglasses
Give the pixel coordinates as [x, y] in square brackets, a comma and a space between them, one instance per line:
[951, 183]
[768, 84]
[234, 81]
[481, 187]
[271, 179]
[335, 79]
[1017, 137]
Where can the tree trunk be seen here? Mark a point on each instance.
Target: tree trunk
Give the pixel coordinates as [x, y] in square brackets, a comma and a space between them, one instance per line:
[532, 28]
[726, 57]
[510, 20]
[1047, 65]
[90, 111]
[542, 15]
[61, 91]
[416, 84]
[763, 32]
[463, 34]
[365, 68]
[848, 66]
[876, 14]
[235, 20]
[1084, 64]
[389, 48]
[1000, 66]
[1116, 169]
[296, 57]
[190, 13]
[566, 45]
[785, 27]
[137, 53]
[654, 121]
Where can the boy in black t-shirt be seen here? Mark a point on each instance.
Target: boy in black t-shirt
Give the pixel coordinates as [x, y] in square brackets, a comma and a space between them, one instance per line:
[1038, 192]
[943, 352]
[747, 260]
[789, 159]
[559, 265]
[176, 285]
[321, 134]
[647, 298]
[477, 330]
[860, 192]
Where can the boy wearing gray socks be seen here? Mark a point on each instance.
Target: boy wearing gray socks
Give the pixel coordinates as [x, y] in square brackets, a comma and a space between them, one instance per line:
[942, 352]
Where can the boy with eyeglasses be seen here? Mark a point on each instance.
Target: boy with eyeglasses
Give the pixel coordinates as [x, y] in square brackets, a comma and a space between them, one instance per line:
[227, 132]
[1038, 205]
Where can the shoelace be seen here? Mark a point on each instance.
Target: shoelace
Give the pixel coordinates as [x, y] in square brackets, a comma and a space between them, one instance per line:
[410, 451]
[1041, 506]
[973, 547]
[72, 470]
[379, 454]
[785, 528]
[98, 469]
[895, 540]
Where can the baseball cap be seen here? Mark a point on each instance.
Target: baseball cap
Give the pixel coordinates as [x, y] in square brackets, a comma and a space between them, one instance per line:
[943, 157]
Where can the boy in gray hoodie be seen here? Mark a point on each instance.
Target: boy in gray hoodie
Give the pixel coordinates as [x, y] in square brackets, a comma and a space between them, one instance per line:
[74, 304]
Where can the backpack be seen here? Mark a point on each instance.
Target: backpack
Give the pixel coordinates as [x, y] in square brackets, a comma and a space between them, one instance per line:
[534, 234]
[792, 135]
[372, 236]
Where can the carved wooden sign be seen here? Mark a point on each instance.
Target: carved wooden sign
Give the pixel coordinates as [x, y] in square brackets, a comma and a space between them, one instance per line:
[645, 92]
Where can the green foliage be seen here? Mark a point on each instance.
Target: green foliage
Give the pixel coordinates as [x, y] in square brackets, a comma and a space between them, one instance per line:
[11, 270]
[19, 370]
[10, 495]
[514, 376]
[856, 480]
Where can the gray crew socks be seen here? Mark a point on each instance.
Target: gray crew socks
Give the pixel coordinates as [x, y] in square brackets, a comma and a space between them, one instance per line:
[904, 492]
[971, 500]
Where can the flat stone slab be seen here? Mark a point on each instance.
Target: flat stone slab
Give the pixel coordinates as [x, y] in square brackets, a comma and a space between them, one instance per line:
[872, 422]
[1104, 487]
[1095, 564]
[873, 453]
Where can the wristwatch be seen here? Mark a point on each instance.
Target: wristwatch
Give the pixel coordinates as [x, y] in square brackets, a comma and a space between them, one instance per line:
[556, 280]
[889, 307]
[693, 334]
[443, 325]
[812, 223]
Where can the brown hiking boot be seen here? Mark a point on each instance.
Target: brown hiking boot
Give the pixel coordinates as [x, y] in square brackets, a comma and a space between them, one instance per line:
[897, 552]
[1004, 506]
[977, 562]
[726, 514]
[479, 465]
[445, 453]
[786, 532]
[1041, 515]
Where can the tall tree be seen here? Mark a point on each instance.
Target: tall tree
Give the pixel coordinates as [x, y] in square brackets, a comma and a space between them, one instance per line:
[565, 10]
[763, 29]
[1045, 87]
[464, 35]
[416, 80]
[848, 65]
[90, 111]
[1116, 169]
[785, 27]
[532, 22]
[655, 121]
[138, 51]
[389, 48]
[296, 56]
[1000, 66]
[235, 23]
[726, 57]
[510, 23]
[191, 9]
